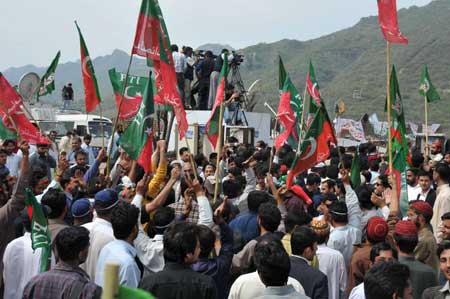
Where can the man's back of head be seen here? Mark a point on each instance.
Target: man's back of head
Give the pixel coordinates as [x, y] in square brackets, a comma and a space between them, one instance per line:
[272, 263]
[387, 281]
[124, 221]
[269, 217]
[255, 199]
[57, 202]
[181, 244]
[72, 244]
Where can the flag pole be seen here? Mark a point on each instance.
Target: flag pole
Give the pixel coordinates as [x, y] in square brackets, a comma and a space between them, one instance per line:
[111, 282]
[218, 149]
[101, 126]
[116, 120]
[271, 151]
[426, 126]
[388, 102]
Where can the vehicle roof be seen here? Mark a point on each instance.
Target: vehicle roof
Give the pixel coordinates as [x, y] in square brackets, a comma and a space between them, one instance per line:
[81, 117]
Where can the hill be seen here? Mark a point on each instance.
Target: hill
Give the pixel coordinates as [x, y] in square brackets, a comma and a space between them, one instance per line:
[350, 65]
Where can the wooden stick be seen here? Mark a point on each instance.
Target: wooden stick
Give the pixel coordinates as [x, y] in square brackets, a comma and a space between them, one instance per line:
[271, 151]
[101, 126]
[426, 127]
[219, 150]
[111, 281]
[388, 104]
[190, 157]
[116, 120]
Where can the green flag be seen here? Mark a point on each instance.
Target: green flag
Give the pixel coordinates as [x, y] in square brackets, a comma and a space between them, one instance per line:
[5, 133]
[426, 88]
[355, 174]
[136, 140]
[281, 74]
[40, 234]
[48, 80]
[128, 293]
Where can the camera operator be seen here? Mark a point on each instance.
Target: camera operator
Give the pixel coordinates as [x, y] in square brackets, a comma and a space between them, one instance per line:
[204, 70]
[188, 76]
[232, 114]
[214, 81]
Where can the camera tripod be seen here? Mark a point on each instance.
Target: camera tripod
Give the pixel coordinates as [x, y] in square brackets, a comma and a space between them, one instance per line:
[236, 80]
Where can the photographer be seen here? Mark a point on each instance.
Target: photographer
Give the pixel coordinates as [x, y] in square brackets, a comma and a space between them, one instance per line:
[232, 114]
[67, 95]
[203, 70]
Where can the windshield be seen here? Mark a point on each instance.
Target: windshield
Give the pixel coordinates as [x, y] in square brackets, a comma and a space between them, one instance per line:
[95, 129]
[60, 127]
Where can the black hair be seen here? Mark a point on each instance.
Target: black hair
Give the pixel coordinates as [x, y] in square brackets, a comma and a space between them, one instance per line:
[382, 246]
[70, 241]
[446, 216]
[124, 219]
[174, 48]
[56, 200]
[406, 244]
[162, 218]
[87, 137]
[80, 152]
[231, 188]
[339, 212]
[367, 176]
[330, 183]
[269, 216]
[384, 181]
[3, 152]
[414, 170]
[294, 219]
[428, 174]
[182, 150]
[212, 156]
[374, 165]
[364, 197]
[417, 159]
[8, 141]
[332, 172]
[384, 280]
[444, 245]
[180, 239]
[302, 238]
[255, 199]
[444, 172]
[235, 171]
[272, 263]
[207, 238]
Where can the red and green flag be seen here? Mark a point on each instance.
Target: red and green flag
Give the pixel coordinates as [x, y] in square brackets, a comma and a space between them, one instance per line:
[12, 116]
[387, 17]
[47, 85]
[214, 121]
[5, 133]
[91, 91]
[427, 88]
[132, 96]
[312, 86]
[152, 41]
[137, 139]
[398, 130]
[40, 234]
[290, 111]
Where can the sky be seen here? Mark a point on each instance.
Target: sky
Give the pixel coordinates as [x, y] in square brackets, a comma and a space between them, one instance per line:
[33, 31]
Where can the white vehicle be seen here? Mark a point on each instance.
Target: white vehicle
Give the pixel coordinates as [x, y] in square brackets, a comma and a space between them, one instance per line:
[50, 119]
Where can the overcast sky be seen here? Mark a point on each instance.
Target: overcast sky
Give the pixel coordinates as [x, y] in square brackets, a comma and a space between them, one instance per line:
[33, 31]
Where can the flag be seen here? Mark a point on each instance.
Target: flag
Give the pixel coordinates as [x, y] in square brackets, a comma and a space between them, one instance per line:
[152, 41]
[91, 91]
[281, 74]
[133, 92]
[312, 86]
[289, 111]
[5, 133]
[355, 173]
[137, 138]
[48, 80]
[128, 293]
[398, 130]
[314, 147]
[387, 17]
[426, 88]
[40, 234]
[213, 124]
[12, 116]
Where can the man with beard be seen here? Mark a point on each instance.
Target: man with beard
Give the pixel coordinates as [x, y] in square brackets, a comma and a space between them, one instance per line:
[413, 187]
[435, 151]
[420, 213]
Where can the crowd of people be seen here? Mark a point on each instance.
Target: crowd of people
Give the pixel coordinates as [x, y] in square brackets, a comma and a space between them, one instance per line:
[171, 236]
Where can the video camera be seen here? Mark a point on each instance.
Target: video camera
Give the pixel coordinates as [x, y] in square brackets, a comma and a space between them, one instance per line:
[237, 58]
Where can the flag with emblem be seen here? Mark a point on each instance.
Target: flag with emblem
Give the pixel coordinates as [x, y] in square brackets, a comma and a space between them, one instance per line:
[312, 86]
[40, 234]
[387, 17]
[152, 41]
[426, 88]
[5, 133]
[289, 111]
[12, 116]
[214, 122]
[47, 85]
[398, 130]
[91, 91]
[137, 139]
[133, 92]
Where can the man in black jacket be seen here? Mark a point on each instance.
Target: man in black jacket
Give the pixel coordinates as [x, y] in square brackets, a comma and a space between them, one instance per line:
[177, 279]
[304, 247]
[426, 193]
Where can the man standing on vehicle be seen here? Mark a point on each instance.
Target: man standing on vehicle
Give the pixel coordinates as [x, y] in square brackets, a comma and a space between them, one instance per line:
[67, 95]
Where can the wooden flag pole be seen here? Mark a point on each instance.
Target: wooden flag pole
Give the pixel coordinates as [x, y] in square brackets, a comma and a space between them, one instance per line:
[426, 126]
[101, 126]
[219, 150]
[271, 151]
[191, 159]
[116, 120]
[388, 102]
[111, 281]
